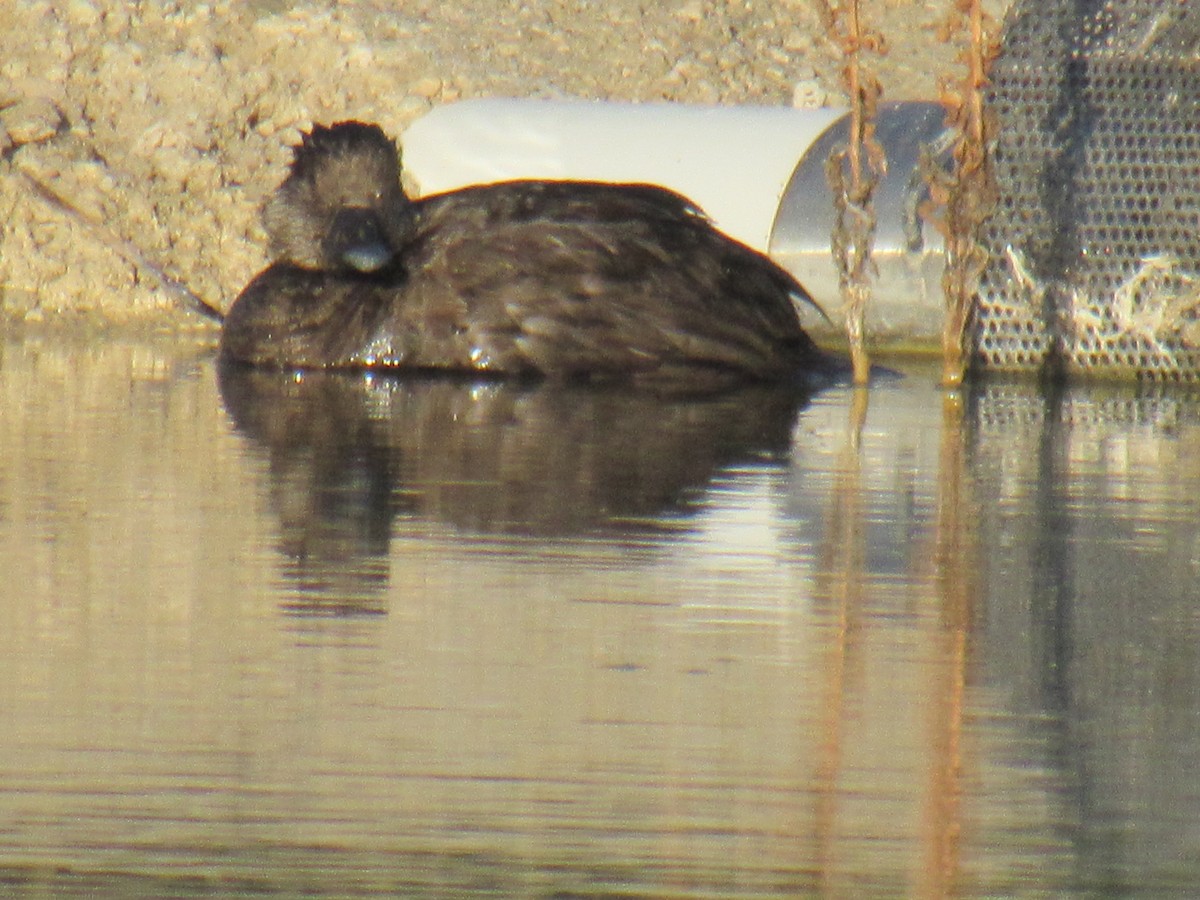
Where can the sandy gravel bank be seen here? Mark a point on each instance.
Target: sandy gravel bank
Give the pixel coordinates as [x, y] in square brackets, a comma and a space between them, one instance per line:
[165, 124]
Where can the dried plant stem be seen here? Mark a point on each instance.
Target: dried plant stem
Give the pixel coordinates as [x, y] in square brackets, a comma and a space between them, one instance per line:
[183, 295]
[968, 193]
[978, 61]
[854, 86]
[853, 171]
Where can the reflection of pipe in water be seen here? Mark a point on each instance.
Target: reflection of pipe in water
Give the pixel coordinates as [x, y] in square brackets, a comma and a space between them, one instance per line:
[759, 172]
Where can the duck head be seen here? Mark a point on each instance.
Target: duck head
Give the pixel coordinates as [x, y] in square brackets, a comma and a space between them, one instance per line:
[341, 207]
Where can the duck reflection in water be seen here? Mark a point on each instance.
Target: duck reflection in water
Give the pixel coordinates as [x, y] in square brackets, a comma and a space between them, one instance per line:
[348, 454]
[566, 280]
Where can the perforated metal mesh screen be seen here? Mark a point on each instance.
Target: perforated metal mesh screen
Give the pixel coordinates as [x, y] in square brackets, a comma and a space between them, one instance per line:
[1094, 249]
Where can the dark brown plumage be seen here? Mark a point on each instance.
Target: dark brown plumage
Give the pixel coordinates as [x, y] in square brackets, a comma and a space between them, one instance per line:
[559, 279]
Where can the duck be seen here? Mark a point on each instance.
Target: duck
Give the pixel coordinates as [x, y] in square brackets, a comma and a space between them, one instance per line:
[571, 280]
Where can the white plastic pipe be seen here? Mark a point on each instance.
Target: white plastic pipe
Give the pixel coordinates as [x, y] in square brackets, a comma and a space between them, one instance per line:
[759, 172]
[733, 161]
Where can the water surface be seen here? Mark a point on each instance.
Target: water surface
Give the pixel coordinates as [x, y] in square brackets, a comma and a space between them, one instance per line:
[342, 636]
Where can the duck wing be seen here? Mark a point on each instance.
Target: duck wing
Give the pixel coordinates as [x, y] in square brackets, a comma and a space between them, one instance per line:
[585, 279]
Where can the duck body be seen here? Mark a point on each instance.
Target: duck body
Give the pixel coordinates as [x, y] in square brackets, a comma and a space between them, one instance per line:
[548, 278]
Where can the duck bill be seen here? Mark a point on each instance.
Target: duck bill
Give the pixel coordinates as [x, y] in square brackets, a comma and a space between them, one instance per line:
[357, 241]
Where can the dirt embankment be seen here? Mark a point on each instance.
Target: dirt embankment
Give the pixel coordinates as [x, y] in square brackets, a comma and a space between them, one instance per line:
[165, 125]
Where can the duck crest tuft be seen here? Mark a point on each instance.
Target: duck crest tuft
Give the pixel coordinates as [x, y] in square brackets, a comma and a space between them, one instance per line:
[341, 138]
